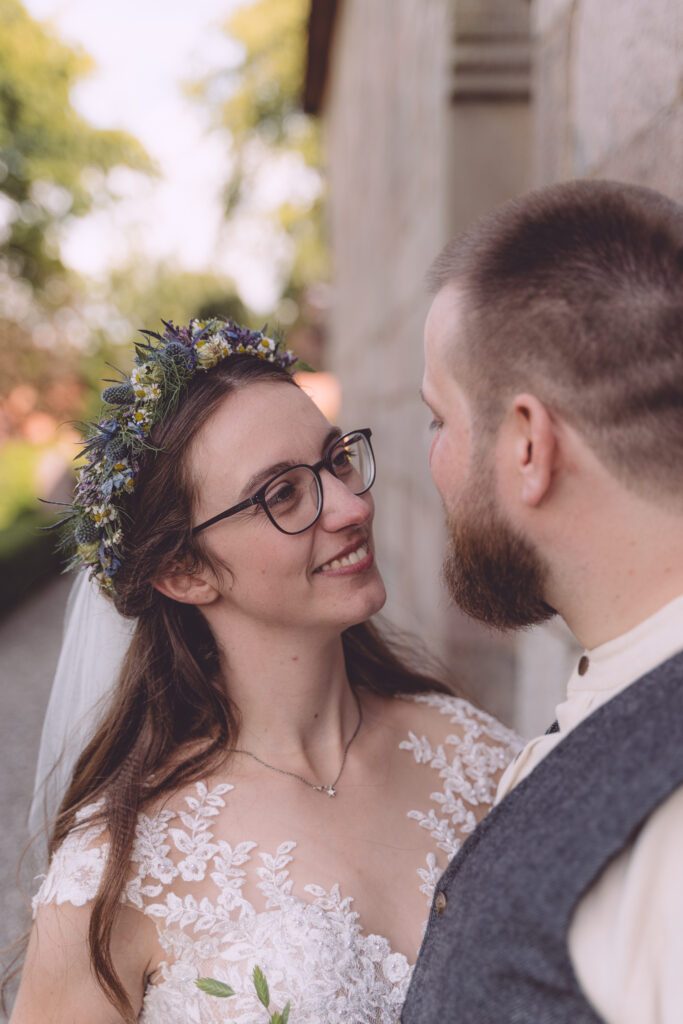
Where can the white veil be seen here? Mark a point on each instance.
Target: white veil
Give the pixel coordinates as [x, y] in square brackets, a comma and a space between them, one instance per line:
[94, 644]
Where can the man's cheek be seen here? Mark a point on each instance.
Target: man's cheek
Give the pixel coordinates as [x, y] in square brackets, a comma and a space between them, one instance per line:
[432, 449]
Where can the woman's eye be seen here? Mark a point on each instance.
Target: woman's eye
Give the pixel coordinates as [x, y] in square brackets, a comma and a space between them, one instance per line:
[283, 494]
[342, 458]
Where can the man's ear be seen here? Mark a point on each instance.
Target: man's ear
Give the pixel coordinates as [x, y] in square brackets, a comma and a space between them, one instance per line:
[187, 587]
[535, 448]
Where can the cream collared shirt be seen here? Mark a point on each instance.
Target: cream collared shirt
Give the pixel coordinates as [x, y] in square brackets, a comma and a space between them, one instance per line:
[626, 936]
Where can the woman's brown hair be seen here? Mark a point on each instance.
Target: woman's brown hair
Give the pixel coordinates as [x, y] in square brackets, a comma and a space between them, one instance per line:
[171, 719]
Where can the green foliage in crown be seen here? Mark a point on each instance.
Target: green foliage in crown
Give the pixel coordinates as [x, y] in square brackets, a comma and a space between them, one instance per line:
[164, 366]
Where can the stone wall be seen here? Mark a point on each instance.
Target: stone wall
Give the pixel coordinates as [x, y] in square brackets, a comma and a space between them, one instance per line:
[608, 103]
[609, 91]
[428, 125]
[405, 164]
[386, 139]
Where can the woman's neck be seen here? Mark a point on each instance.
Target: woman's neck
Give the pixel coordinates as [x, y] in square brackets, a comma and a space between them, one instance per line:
[296, 707]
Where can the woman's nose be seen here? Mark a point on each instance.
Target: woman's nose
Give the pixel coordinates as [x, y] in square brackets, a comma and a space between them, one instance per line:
[341, 507]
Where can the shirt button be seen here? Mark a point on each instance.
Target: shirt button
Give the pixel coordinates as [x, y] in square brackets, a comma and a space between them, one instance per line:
[440, 902]
[584, 664]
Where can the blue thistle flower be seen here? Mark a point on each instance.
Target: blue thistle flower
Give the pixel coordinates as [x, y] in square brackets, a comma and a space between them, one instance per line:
[116, 449]
[175, 352]
[86, 532]
[118, 394]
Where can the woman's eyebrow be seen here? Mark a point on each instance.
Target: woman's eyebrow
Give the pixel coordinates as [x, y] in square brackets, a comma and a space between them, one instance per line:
[279, 467]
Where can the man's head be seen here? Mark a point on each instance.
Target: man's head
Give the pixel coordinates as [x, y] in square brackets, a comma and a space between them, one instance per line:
[555, 338]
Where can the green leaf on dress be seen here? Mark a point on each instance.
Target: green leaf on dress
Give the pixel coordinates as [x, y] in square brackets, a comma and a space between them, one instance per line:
[214, 988]
[261, 986]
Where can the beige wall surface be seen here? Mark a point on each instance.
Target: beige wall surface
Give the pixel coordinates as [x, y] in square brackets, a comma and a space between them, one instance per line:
[428, 125]
[386, 138]
[398, 191]
[609, 91]
[608, 103]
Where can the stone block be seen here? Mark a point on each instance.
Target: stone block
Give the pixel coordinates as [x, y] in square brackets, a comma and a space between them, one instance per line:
[488, 158]
[654, 157]
[625, 70]
[545, 14]
[552, 125]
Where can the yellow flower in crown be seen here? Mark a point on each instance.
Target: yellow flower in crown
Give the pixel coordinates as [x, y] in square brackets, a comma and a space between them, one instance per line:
[113, 452]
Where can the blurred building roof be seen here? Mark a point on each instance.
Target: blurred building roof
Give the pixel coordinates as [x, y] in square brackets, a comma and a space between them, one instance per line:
[321, 22]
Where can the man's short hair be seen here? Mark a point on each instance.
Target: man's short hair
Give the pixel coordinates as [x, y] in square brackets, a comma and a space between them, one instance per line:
[575, 293]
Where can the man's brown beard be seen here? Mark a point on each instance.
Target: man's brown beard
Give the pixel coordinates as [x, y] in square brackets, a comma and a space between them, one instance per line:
[492, 573]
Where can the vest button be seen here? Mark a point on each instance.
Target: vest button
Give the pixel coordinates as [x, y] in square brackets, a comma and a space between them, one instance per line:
[584, 663]
[440, 902]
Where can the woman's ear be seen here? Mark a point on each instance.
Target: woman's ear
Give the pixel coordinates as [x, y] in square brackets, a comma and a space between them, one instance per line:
[535, 448]
[187, 587]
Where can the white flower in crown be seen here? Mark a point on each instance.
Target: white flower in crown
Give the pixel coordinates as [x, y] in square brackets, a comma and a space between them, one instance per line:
[146, 374]
[210, 351]
[103, 514]
[152, 392]
[164, 365]
[220, 342]
[140, 417]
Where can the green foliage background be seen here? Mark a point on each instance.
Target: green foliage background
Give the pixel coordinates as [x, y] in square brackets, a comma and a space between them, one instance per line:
[45, 145]
[258, 103]
[54, 167]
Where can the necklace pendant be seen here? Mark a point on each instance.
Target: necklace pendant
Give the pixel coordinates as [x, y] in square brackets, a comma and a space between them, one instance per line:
[330, 790]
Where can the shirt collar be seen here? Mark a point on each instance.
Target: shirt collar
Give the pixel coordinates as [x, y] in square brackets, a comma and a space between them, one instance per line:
[618, 663]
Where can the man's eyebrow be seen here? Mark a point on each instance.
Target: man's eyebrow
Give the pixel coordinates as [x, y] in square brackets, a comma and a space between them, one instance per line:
[265, 474]
[424, 398]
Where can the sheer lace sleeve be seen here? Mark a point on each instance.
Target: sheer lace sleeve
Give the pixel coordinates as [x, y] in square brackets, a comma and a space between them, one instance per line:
[469, 750]
[77, 867]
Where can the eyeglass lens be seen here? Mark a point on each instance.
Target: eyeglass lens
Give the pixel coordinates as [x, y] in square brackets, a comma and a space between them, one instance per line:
[294, 498]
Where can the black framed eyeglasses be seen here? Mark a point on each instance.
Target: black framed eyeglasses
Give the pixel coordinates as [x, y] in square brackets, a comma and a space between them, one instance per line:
[293, 499]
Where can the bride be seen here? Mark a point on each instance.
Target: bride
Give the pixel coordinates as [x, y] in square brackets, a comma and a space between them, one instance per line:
[270, 785]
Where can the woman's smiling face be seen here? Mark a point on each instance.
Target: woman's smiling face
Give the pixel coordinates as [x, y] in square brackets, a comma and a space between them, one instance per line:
[277, 578]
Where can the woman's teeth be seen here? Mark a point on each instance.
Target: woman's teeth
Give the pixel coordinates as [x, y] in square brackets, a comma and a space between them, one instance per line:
[338, 563]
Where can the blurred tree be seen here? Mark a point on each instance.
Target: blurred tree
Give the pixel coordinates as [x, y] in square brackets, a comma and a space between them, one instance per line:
[64, 378]
[46, 147]
[146, 293]
[141, 295]
[258, 104]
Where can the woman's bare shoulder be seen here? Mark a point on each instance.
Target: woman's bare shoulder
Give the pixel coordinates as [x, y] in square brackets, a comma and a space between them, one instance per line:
[440, 716]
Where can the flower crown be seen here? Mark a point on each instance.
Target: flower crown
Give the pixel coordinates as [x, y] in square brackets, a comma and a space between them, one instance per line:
[164, 366]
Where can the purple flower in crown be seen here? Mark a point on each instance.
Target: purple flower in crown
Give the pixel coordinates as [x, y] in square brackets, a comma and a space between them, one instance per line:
[87, 491]
[108, 561]
[107, 487]
[118, 443]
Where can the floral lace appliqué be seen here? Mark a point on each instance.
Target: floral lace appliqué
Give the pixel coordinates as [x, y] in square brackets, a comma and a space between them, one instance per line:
[191, 883]
[468, 762]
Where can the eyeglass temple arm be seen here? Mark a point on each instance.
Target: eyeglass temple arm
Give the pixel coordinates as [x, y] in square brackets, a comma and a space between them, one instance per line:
[255, 500]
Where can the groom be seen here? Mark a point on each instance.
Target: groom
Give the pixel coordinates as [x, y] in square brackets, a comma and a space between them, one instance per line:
[554, 371]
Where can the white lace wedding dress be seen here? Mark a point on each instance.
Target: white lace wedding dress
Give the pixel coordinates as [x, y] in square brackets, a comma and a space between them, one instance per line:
[223, 905]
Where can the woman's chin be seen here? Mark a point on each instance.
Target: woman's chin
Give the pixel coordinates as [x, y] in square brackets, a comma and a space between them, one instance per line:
[366, 603]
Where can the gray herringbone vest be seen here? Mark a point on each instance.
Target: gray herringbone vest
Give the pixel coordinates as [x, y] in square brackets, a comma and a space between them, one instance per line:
[497, 954]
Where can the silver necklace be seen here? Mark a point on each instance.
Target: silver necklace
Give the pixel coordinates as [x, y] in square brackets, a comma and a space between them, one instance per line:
[331, 788]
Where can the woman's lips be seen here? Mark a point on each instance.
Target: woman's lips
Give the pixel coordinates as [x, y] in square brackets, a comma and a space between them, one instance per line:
[350, 570]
